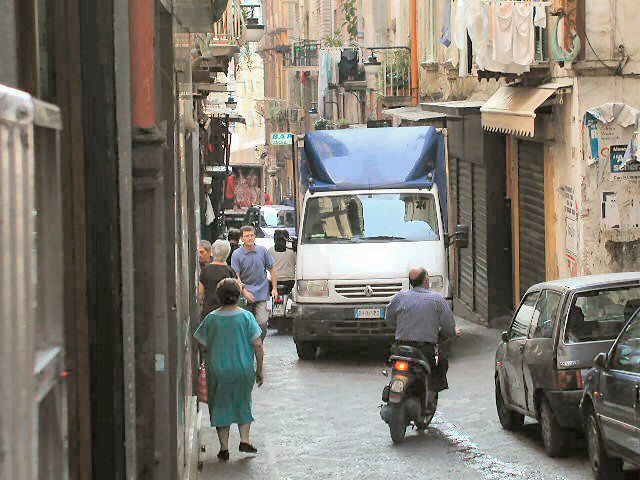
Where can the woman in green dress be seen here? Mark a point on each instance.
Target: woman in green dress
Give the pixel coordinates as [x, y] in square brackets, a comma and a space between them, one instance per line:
[231, 337]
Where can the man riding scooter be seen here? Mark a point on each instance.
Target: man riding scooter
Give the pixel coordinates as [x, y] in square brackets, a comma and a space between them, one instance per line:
[424, 320]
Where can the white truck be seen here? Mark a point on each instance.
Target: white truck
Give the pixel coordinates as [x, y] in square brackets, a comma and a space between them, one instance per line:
[374, 206]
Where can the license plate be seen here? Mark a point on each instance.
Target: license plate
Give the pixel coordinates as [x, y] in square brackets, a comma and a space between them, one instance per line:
[278, 310]
[369, 313]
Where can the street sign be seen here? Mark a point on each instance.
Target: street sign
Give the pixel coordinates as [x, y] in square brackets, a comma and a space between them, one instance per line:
[282, 138]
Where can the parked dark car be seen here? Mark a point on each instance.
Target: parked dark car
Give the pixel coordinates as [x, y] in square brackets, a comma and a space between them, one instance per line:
[611, 405]
[555, 334]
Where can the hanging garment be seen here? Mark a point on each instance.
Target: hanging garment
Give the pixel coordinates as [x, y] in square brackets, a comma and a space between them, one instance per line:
[323, 80]
[209, 216]
[333, 67]
[445, 37]
[503, 26]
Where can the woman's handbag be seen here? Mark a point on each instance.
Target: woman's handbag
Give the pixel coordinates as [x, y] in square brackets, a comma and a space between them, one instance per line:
[203, 389]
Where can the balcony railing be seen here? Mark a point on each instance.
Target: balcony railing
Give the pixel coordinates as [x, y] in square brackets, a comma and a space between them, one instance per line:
[230, 29]
[303, 54]
[394, 76]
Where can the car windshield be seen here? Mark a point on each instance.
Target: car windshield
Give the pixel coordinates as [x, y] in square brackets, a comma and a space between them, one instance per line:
[274, 218]
[601, 314]
[379, 217]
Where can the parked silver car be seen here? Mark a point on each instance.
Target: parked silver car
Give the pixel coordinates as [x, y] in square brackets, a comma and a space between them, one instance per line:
[555, 334]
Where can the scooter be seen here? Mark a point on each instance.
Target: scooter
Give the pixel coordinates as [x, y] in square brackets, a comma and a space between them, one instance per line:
[280, 308]
[405, 393]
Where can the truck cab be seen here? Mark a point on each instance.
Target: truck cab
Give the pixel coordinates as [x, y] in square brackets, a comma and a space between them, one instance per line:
[356, 245]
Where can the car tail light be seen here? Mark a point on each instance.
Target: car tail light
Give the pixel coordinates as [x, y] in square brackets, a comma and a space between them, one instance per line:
[569, 379]
[401, 366]
[279, 299]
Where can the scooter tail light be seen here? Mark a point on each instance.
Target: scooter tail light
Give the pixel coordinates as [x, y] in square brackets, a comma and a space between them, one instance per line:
[279, 300]
[401, 366]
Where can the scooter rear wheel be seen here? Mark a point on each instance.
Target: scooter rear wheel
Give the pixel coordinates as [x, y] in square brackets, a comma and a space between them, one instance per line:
[397, 423]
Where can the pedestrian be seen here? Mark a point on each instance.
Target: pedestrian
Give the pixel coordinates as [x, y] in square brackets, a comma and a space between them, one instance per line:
[424, 319]
[251, 263]
[285, 259]
[204, 253]
[234, 239]
[231, 337]
[213, 273]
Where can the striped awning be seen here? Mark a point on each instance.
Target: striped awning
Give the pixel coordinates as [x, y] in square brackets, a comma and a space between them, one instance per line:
[512, 110]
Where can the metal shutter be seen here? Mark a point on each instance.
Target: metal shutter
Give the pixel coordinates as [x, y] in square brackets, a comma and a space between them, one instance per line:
[531, 198]
[480, 240]
[465, 216]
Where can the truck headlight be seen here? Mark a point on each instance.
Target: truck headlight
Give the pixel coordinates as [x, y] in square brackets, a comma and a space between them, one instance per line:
[436, 282]
[313, 288]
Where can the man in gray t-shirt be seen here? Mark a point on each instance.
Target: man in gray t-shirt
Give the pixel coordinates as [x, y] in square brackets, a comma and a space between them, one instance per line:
[251, 263]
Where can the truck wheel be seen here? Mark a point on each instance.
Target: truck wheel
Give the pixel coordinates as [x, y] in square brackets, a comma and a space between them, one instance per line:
[553, 436]
[306, 350]
[397, 423]
[509, 419]
[604, 467]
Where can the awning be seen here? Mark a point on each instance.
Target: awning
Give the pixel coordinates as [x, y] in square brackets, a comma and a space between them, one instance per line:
[512, 110]
[412, 114]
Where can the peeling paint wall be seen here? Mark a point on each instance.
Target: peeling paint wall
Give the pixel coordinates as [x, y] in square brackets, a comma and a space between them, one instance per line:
[597, 212]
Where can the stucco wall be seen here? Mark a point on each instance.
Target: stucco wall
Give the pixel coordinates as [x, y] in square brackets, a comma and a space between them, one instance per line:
[600, 248]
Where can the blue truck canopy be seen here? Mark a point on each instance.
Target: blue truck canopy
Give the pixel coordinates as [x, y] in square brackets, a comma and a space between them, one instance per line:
[375, 158]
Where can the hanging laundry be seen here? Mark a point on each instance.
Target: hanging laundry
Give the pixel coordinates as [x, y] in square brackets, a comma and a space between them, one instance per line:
[445, 37]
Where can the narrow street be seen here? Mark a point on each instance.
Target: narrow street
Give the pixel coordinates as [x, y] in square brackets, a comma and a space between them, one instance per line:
[320, 420]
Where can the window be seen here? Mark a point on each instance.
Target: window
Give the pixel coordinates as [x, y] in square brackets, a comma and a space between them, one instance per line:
[376, 217]
[522, 320]
[600, 314]
[626, 355]
[544, 314]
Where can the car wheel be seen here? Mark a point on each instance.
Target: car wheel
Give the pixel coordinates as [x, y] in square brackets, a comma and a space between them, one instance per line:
[306, 350]
[509, 419]
[603, 466]
[553, 436]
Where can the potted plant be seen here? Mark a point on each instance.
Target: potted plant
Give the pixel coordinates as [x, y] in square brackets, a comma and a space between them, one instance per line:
[343, 123]
[324, 124]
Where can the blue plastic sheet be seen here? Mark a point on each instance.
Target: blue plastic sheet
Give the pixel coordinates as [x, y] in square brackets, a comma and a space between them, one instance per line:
[375, 158]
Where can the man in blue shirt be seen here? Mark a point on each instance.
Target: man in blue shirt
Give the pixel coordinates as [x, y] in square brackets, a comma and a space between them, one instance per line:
[251, 263]
[423, 319]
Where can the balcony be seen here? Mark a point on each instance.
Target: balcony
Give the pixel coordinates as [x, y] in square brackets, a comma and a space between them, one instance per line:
[302, 56]
[199, 15]
[393, 76]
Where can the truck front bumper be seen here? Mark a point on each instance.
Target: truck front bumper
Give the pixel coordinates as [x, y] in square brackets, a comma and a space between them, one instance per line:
[337, 322]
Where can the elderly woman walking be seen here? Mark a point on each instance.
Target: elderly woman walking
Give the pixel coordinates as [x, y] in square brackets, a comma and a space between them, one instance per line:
[231, 336]
[211, 275]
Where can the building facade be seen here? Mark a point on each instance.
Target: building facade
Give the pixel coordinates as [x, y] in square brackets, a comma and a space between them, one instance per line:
[100, 140]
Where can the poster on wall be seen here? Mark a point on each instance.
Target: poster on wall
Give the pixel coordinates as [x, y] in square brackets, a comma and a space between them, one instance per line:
[571, 228]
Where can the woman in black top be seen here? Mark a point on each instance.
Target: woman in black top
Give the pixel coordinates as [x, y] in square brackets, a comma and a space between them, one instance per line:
[211, 275]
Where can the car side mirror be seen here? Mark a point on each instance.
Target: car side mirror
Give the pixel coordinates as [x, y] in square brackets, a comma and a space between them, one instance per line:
[294, 244]
[462, 236]
[505, 337]
[601, 360]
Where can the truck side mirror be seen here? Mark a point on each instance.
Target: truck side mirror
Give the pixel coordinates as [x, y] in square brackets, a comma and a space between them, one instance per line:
[462, 236]
[505, 336]
[600, 360]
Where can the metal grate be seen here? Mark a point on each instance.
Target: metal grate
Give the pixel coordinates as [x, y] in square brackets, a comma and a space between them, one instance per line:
[361, 327]
[369, 291]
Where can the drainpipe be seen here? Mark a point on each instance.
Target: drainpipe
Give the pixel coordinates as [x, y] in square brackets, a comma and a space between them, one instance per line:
[414, 53]
[143, 89]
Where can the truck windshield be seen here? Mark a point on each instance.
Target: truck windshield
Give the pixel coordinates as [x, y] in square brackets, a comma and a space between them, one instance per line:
[377, 217]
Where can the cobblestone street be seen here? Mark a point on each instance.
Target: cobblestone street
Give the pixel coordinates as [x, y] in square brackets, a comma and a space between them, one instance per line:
[320, 420]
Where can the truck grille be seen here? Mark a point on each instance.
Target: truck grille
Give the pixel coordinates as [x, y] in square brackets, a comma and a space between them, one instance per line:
[361, 327]
[368, 291]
